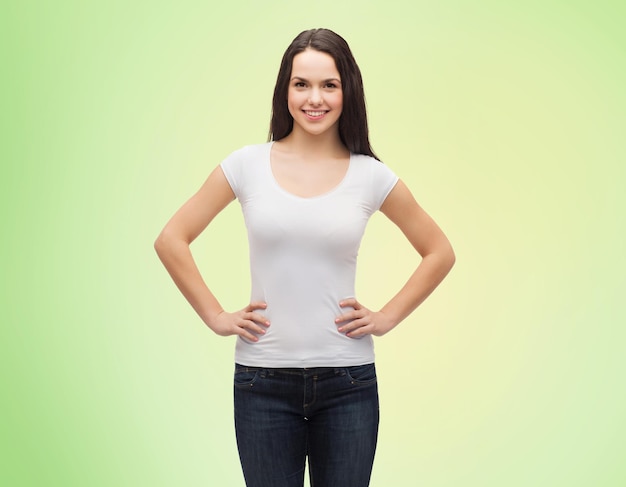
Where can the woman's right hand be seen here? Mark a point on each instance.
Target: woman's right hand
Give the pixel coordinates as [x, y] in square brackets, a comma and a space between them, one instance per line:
[247, 322]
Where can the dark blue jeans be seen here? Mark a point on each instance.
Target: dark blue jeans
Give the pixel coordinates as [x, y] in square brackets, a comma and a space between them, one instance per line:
[328, 414]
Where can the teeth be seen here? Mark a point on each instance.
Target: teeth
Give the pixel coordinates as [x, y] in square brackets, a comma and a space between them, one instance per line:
[315, 114]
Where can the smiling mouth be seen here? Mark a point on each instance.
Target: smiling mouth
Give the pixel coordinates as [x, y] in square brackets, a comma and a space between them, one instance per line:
[314, 114]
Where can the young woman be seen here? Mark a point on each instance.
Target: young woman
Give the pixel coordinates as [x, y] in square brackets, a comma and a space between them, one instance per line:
[305, 381]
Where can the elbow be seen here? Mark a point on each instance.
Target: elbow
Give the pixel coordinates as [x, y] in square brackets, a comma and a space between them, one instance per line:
[169, 243]
[162, 243]
[445, 257]
[449, 256]
[159, 244]
[441, 259]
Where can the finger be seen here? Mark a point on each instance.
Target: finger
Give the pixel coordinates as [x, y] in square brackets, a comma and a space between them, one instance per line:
[362, 331]
[258, 318]
[249, 330]
[344, 303]
[242, 332]
[255, 305]
[351, 315]
[355, 324]
[252, 327]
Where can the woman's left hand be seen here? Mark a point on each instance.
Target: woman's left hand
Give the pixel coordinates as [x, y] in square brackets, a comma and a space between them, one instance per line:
[361, 321]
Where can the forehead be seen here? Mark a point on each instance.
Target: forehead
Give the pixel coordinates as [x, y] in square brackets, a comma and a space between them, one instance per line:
[312, 64]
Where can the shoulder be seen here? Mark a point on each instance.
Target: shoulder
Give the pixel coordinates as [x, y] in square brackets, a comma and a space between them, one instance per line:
[244, 165]
[372, 167]
[374, 178]
[364, 159]
[250, 151]
[246, 156]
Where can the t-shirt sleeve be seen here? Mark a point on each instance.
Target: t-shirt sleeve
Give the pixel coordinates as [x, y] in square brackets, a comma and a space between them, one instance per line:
[232, 167]
[382, 181]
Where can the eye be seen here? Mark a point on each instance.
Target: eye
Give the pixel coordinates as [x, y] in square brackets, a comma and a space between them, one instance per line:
[331, 85]
[299, 84]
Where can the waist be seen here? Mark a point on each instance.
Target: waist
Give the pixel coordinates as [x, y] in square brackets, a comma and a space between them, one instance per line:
[338, 351]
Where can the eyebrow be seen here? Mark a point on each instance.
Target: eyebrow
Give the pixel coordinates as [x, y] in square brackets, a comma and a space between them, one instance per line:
[324, 81]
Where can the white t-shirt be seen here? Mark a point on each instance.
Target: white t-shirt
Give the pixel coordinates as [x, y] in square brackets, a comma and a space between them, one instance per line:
[303, 254]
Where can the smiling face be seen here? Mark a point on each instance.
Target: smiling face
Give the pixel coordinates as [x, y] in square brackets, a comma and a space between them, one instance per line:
[314, 96]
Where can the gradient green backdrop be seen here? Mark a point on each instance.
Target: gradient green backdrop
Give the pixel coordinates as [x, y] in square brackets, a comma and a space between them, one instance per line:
[506, 118]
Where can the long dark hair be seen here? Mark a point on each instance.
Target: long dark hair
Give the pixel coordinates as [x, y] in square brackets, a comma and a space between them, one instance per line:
[353, 129]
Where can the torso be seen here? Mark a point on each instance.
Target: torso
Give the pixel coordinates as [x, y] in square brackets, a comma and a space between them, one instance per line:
[304, 238]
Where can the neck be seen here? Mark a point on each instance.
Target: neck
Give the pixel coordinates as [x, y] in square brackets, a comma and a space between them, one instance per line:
[326, 144]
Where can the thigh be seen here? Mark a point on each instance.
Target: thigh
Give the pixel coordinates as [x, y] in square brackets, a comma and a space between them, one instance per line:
[343, 429]
[271, 435]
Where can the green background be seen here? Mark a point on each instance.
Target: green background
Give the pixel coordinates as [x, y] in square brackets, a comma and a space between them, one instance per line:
[505, 118]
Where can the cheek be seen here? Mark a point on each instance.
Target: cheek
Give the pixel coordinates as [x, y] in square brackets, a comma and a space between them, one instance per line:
[337, 99]
[338, 102]
[290, 104]
[292, 107]
[294, 101]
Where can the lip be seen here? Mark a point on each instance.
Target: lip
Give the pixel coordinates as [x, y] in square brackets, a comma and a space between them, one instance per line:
[318, 114]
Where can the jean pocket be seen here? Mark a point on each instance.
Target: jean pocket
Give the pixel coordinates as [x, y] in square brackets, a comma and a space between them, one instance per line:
[362, 374]
[245, 376]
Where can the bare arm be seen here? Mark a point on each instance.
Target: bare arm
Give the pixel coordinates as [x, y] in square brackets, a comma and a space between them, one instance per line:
[437, 260]
[172, 247]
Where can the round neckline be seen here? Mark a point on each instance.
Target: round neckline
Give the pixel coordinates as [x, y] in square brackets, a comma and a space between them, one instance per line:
[332, 190]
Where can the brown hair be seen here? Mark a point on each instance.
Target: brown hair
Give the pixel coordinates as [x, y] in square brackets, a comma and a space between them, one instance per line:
[353, 129]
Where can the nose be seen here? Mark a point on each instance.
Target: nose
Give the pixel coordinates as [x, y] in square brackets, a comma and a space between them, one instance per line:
[315, 98]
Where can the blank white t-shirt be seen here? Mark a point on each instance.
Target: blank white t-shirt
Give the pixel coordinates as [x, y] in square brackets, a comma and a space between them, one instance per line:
[303, 254]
